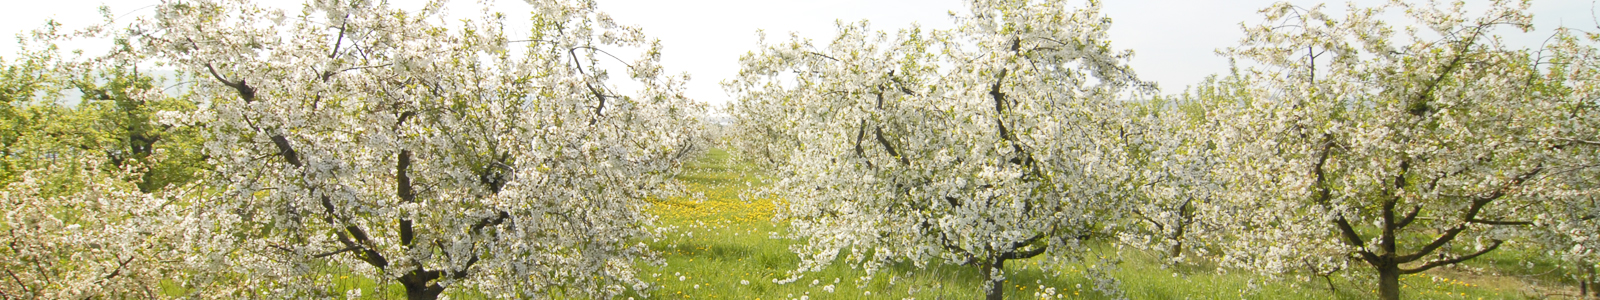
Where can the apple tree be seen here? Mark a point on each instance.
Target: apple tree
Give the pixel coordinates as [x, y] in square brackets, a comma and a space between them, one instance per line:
[996, 141]
[412, 148]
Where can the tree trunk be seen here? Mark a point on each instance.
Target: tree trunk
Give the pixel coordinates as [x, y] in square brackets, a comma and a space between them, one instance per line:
[419, 287]
[1177, 244]
[423, 292]
[1588, 285]
[1185, 215]
[997, 288]
[1593, 285]
[1389, 281]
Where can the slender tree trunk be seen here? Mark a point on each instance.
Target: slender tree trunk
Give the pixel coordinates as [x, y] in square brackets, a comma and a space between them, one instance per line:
[1583, 283]
[1389, 281]
[1177, 241]
[997, 287]
[1329, 279]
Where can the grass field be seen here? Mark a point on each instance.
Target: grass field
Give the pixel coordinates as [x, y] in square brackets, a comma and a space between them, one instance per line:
[723, 247]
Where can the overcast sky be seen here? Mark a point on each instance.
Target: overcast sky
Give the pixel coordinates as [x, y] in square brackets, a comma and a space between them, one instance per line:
[1174, 40]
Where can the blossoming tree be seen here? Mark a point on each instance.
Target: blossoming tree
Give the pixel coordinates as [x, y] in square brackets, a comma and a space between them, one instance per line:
[752, 136]
[1570, 222]
[1173, 159]
[416, 151]
[1403, 152]
[992, 142]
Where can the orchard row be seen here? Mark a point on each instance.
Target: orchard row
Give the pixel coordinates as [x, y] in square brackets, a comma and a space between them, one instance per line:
[224, 150]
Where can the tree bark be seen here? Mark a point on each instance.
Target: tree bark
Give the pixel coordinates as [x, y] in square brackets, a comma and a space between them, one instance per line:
[1186, 215]
[997, 287]
[1388, 281]
[419, 287]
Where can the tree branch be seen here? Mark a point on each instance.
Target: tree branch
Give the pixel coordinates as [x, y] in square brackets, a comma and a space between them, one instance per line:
[861, 134]
[497, 219]
[1147, 218]
[25, 289]
[901, 85]
[350, 230]
[120, 266]
[1493, 222]
[822, 55]
[1417, 106]
[1410, 216]
[476, 229]
[1578, 141]
[878, 131]
[287, 152]
[404, 190]
[1030, 253]
[1437, 263]
[245, 91]
[1471, 215]
[1324, 197]
[1449, 235]
[334, 252]
[598, 94]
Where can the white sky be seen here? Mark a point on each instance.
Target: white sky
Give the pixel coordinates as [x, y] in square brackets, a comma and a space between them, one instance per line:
[1173, 40]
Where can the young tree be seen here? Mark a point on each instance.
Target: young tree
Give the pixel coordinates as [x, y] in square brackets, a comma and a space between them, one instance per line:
[1401, 152]
[993, 142]
[1173, 157]
[358, 137]
[752, 136]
